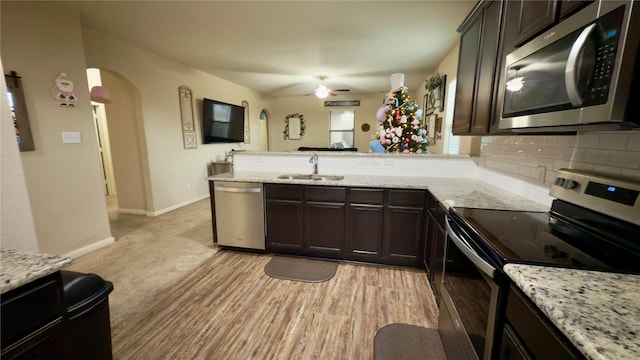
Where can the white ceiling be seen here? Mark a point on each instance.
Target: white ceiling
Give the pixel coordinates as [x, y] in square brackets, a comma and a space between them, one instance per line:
[281, 48]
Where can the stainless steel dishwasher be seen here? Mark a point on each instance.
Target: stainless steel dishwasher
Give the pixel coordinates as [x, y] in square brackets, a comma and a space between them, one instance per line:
[239, 214]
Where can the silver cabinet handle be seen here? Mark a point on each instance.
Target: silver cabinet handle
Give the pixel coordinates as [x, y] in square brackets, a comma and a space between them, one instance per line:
[237, 190]
[479, 262]
[570, 71]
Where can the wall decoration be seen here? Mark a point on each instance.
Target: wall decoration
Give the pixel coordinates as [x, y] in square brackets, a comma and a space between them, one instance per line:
[187, 118]
[342, 103]
[294, 126]
[436, 86]
[434, 129]
[428, 104]
[18, 108]
[247, 122]
[365, 127]
[64, 91]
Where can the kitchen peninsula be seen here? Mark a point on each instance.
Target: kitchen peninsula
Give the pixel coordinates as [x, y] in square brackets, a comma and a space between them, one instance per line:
[448, 181]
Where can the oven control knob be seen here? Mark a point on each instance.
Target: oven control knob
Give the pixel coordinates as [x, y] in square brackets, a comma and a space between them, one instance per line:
[569, 184]
[559, 181]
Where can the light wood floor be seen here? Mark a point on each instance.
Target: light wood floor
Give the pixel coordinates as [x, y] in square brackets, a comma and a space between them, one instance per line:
[229, 309]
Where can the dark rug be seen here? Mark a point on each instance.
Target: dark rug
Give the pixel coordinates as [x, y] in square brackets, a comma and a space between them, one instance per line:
[407, 342]
[300, 269]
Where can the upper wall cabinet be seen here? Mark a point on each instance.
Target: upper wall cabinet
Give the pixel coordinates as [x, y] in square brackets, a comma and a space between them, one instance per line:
[476, 69]
[525, 19]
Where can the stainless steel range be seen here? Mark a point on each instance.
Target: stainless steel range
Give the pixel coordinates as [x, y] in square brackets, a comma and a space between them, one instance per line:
[594, 224]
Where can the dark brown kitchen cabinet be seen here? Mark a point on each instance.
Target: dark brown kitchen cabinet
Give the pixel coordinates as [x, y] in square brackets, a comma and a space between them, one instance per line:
[529, 334]
[284, 218]
[476, 69]
[434, 244]
[324, 222]
[382, 226]
[526, 19]
[403, 233]
[365, 224]
[33, 323]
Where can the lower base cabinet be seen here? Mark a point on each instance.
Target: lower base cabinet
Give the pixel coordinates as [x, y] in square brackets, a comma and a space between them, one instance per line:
[435, 239]
[528, 334]
[362, 224]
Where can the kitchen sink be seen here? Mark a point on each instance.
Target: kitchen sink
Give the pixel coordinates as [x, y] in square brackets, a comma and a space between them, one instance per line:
[296, 177]
[311, 177]
[327, 177]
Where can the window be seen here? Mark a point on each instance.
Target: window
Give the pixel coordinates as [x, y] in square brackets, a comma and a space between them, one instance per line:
[451, 143]
[341, 125]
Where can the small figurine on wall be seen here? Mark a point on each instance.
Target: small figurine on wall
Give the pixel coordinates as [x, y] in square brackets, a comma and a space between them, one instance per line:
[64, 92]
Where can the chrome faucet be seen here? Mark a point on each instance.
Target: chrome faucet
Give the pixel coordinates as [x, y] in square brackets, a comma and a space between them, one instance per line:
[314, 160]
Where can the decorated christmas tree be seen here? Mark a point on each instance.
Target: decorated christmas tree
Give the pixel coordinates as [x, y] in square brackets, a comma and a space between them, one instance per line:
[399, 127]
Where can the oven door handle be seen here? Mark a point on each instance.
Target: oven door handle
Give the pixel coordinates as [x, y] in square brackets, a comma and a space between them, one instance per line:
[571, 70]
[466, 249]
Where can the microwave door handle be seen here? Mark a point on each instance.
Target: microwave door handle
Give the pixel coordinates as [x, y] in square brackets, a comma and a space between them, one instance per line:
[479, 262]
[571, 70]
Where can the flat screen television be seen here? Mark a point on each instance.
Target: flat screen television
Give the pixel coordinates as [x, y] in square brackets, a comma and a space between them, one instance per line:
[222, 122]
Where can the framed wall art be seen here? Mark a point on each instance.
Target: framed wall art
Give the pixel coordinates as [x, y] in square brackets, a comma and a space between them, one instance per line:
[18, 108]
[187, 118]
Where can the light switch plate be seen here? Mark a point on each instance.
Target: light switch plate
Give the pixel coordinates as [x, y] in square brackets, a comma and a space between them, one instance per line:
[71, 137]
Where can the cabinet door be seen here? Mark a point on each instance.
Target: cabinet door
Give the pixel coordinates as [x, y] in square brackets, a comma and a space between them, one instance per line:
[568, 7]
[533, 17]
[325, 227]
[439, 236]
[403, 236]
[365, 219]
[403, 227]
[365, 232]
[285, 226]
[285, 218]
[468, 60]
[325, 220]
[483, 103]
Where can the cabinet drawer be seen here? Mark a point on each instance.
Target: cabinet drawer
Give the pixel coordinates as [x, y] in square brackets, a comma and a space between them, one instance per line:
[326, 194]
[283, 192]
[412, 198]
[535, 330]
[367, 196]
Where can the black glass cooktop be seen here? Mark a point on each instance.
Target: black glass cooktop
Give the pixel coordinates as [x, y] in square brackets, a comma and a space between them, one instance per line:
[547, 238]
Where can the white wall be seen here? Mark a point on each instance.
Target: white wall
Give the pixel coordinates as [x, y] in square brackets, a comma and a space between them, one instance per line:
[176, 174]
[16, 220]
[64, 181]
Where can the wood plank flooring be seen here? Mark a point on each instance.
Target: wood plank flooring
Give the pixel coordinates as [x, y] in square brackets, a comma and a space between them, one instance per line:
[228, 308]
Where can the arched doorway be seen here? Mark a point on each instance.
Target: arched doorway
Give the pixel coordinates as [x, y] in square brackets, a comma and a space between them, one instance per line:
[264, 130]
[123, 145]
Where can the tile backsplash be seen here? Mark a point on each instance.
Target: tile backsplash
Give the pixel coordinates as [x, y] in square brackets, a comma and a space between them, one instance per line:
[537, 158]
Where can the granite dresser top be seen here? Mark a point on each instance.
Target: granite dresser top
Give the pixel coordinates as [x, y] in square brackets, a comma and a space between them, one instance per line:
[18, 267]
[453, 192]
[598, 312]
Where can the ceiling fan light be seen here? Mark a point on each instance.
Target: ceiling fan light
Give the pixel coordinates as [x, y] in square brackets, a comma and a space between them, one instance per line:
[322, 91]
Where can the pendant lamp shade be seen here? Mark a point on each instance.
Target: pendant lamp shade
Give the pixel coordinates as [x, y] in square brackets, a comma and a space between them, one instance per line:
[100, 94]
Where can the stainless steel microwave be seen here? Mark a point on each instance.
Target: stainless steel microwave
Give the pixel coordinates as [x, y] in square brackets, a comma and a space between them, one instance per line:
[581, 74]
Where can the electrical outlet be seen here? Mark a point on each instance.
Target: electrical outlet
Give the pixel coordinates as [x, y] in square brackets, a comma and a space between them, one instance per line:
[188, 187]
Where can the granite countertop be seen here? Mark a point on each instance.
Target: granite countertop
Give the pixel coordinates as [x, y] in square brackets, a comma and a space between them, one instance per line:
[453, 192]
[599, 312]
[18, 267]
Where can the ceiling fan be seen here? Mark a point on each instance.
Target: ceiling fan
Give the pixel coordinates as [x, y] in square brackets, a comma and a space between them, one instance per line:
[322, 91]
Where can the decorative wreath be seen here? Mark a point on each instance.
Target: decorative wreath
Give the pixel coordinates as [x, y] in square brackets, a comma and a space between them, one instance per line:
[286, 124]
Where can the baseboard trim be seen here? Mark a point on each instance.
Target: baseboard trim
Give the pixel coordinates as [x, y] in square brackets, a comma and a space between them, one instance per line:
[90, 248]
[177, 206]
[132, 211]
